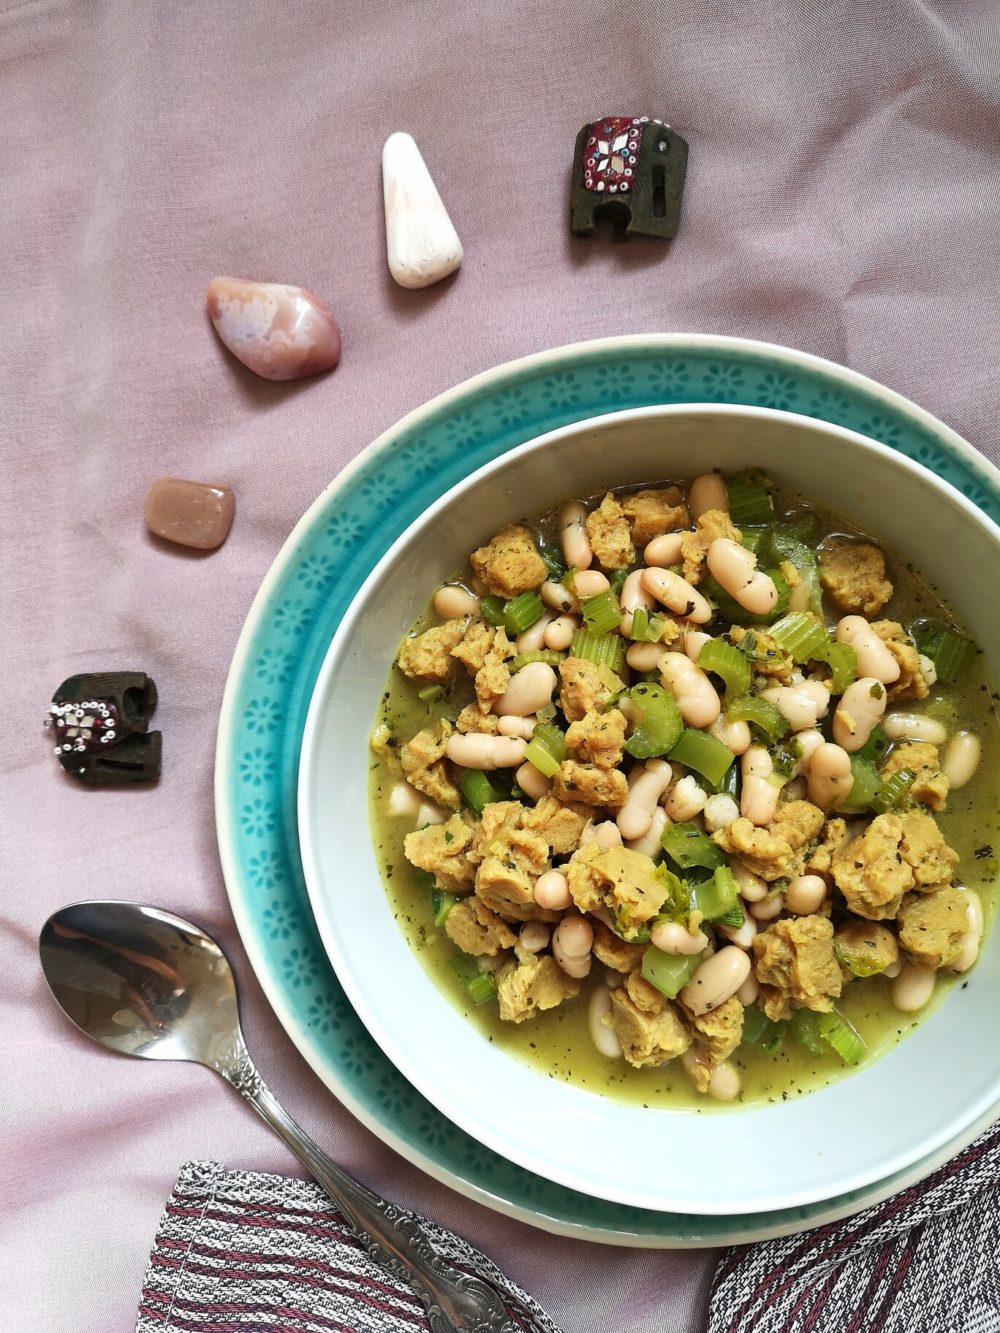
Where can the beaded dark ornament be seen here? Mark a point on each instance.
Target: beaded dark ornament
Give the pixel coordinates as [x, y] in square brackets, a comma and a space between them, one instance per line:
[100, 723]
[628, 171]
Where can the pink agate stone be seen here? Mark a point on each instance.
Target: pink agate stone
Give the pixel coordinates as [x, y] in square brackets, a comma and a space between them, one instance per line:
[279, 332]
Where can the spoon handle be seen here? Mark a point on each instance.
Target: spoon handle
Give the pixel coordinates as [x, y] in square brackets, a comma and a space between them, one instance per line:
[455, 1302]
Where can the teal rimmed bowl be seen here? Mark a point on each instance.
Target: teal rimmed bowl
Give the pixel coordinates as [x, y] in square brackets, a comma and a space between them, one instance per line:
[289, 629]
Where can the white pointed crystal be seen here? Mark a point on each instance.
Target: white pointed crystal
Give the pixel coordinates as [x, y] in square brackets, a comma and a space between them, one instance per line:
[422, 245]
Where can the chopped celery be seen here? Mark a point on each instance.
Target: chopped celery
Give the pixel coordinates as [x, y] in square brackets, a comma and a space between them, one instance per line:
[657, 723]
[779, 544]
[875, 746]
[805, 1029]
[843, 663]
[841, 1036]
[752, 538]
[546, 749]
[893, 789]
[800, 525]
[730, 784]
[761, 1031]
[547, 655]
[760, 714]
[717, 898]
[430, 694]
[750, 499]
[483, 988]
[726, 661]
[950, 651]
[521, 612]
[853, 957]
[552, 554]
[492, 610]
[601, 613]
[618, 579]
[601, 649]
[668, 972]
[866, 786]
[802, 635]
[646, 628]
[785, 755]
[677, 903]
[686, 846]
[441, 905]
[477, 790]
[704, 753]
[609, 679]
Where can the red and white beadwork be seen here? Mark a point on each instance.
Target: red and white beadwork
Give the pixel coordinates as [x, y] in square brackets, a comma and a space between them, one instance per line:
[611, 153]
[85, 727]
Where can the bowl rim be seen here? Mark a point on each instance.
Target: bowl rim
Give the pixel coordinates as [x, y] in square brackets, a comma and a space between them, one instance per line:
[383, 1034]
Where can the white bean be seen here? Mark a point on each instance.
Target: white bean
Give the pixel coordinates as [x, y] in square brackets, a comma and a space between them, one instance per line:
[707, 492]
[607, 834]
[644, 656]
[696, 697]
[477, 750]
[685, 800]
[572, 940]
[530, 688]
[649, 843]
[927, 669]
[517, 726]
[829, 776]
[794, 704]
[805, 894]
[559, 632]
[404, 800]
[602, 1034]
[735, 568]
[861, 706]
[533, 936]
[752, 888]
[636, 815]
[558, 597]
[633, 597]
[452, 601]
[429, 813]
[894, 968]
[759, 795]
[613, 979]
[671, 937]
[735, 735]
[874, 658]
[912, 988]
[533, 637]
[716, 979]
[741, 935]
[724, 1083]
[590, 583]
[552, 891]
[694, 641]
[809, 742]
[768, 908]
[749, 991]
[677, 595]
[664, 551]
[961, 758]
[573, 536]
[969, 951]
[914, 727]
[532, 783]
[720, 811]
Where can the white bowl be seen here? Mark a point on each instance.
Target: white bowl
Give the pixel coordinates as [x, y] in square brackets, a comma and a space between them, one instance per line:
[867, 1125]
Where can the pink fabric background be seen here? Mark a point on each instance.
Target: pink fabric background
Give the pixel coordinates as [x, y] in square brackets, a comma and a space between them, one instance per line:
[842, 197]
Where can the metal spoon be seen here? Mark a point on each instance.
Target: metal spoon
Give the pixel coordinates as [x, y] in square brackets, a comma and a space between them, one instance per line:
[145, 982]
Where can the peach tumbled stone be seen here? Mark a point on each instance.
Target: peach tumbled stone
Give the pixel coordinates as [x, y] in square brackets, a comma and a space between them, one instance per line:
[190, 513]
[278, 332]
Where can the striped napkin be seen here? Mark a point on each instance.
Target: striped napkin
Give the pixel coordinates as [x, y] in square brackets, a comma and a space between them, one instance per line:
[925, 1261]
[243, 1250]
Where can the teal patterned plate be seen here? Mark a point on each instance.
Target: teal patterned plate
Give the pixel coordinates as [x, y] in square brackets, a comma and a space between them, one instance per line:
[293, 618]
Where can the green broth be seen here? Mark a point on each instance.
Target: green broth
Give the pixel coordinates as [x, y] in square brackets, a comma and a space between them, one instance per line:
[557, 1043]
